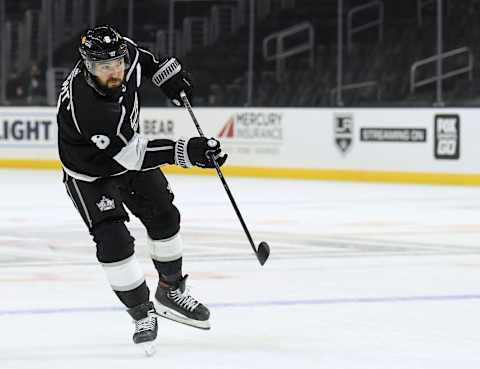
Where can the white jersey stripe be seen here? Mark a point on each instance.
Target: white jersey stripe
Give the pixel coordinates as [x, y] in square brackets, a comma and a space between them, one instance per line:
[84, 177]
[79, 194]
[160, 148]
[149, 53]
[72, 108]
[119, 126]
[133, 66]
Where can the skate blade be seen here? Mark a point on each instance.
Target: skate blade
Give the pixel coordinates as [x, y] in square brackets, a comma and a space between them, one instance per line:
[167, 313]
[149, 348]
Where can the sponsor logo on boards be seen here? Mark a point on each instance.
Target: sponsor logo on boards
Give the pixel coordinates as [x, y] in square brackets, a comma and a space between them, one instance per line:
[447, 136]
[259, 133]
[343, 131]
[379, 134]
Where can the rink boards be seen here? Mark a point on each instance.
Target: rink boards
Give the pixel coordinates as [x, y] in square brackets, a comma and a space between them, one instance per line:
[413, 145]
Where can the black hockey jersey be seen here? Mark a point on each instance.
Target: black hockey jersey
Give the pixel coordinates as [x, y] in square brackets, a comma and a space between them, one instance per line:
[98, 135]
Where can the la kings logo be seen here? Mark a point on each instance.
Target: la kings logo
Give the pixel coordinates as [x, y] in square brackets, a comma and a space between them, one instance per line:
[106, 204]
[343, 131]
[447, 136]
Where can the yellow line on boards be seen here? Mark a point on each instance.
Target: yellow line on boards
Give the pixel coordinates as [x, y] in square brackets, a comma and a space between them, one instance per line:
[294, 173]
[29, 164]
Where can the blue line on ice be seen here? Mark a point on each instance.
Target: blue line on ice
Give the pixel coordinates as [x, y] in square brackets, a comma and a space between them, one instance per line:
[331, 301]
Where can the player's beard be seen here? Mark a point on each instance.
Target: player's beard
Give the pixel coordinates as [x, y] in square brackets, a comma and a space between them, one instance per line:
[103, 87]
[113, 86]
[114, 83]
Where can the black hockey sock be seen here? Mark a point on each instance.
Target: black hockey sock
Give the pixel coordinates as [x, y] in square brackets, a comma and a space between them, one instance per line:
[135, 297]
[170, 271]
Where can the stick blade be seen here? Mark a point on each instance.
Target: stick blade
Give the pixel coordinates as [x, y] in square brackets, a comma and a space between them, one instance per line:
[263, 252]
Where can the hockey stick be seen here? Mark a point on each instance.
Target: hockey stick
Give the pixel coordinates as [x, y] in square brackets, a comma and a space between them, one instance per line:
[263, 250]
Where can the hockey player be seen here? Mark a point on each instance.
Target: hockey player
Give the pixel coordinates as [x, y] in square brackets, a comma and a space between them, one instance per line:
[108, 164]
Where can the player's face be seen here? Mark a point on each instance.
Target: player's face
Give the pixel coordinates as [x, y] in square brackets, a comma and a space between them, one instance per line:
[110, 73]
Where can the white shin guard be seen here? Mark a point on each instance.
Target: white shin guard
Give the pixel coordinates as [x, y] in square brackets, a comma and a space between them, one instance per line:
[166, 250]
[124, 275]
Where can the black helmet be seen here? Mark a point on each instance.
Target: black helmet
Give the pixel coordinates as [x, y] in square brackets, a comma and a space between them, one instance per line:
[102, 44]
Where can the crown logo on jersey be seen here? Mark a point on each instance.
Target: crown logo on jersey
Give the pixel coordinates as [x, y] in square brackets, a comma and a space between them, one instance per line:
[106, 204]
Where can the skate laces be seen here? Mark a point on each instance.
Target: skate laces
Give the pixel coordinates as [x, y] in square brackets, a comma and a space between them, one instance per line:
[184, 299]
[145, 324]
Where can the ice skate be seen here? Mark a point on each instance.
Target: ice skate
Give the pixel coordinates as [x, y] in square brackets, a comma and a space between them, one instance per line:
[173, 301]
[146, 327]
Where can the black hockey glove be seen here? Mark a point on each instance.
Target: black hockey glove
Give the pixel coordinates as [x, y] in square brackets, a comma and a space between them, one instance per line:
[198, 151]
[173, 79]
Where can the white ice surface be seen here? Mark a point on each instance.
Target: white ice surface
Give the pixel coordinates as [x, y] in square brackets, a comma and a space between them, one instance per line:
[361, 276]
